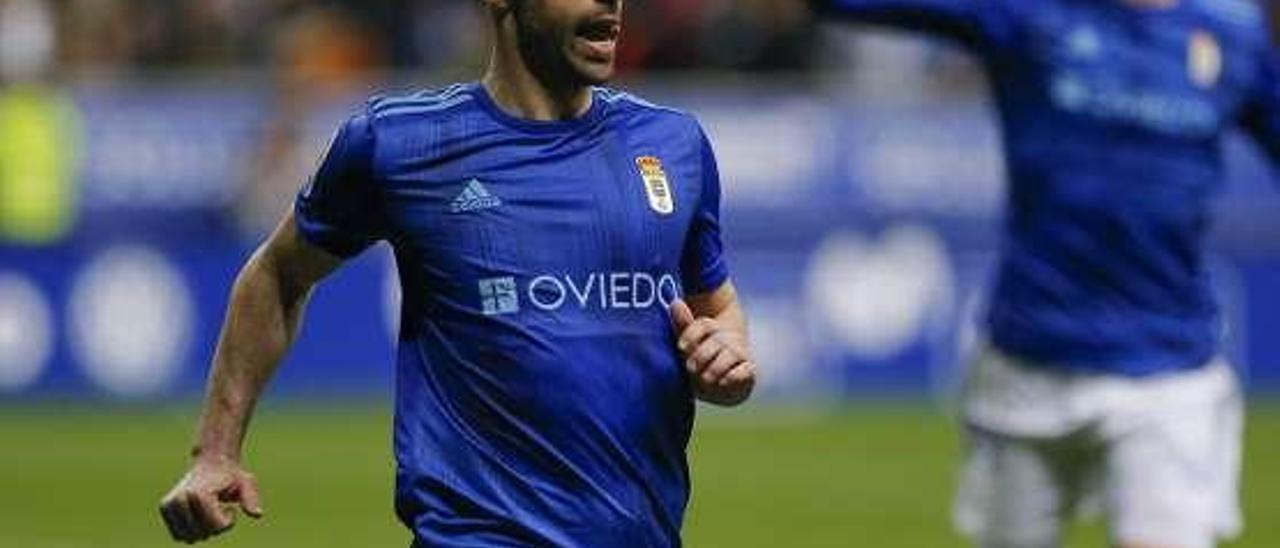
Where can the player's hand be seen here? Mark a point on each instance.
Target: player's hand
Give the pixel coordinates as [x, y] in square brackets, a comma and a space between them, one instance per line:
[717, 358]
[203, 502]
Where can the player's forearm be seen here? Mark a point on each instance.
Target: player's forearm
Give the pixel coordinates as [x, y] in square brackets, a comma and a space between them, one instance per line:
[723, 306]
[261, 324]
[732, 316]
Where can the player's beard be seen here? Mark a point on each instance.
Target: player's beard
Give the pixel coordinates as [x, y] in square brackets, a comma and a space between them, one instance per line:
[546, 47]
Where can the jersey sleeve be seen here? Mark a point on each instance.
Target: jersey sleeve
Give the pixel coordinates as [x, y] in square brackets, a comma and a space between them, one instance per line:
[338, 210]
[1261, 117]
[974, 23]
[703, 267]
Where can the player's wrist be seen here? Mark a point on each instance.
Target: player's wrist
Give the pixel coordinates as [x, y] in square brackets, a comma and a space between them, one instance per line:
[218, 457]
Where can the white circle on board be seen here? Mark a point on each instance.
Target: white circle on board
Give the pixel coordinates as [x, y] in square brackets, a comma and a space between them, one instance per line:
[26, 332]
[877, 296]
[131, 321]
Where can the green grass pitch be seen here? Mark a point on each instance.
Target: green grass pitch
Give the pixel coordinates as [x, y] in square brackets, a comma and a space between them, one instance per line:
[869, 475]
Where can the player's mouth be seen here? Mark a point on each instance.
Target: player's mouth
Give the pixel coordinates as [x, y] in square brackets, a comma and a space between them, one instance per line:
[598, 37]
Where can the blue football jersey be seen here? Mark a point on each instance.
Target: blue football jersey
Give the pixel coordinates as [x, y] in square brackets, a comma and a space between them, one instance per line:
[540, 398]
[1112, 118]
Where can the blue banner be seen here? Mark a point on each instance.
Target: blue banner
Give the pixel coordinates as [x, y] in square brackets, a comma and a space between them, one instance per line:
[861, 239]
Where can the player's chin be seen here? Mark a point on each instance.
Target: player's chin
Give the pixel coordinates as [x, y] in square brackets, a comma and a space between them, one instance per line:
[593, 75]
[593, 68]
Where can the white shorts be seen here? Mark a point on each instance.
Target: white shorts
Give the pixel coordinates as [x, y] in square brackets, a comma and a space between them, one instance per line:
[1159, 456]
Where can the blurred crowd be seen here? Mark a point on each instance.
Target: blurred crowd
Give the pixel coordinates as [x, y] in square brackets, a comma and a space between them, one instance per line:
[344, 38]
[121, 36]
[310, 52]
[353, 41]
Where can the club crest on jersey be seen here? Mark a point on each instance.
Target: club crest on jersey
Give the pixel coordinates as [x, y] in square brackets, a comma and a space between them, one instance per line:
[1204, 59]
[656, 185]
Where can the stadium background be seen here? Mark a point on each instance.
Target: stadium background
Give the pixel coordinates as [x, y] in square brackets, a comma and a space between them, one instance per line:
[146, 145]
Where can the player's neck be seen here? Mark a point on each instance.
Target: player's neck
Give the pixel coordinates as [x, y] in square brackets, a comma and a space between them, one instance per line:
[520, 93]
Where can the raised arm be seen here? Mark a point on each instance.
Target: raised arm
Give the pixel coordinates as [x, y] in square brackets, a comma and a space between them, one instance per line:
[267, 303]
[972, 22]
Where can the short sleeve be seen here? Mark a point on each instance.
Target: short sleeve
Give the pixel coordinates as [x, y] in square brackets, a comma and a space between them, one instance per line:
[1261, 115]
[338, 210]
[703, 267]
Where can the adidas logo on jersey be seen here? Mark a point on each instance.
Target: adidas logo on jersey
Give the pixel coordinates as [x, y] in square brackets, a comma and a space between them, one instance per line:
[474, 197]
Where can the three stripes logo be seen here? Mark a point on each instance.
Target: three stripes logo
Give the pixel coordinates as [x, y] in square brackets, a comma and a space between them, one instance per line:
[474, 197]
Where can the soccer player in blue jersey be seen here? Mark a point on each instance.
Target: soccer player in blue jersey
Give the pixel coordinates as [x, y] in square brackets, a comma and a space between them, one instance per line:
[1102, 378]
[565, 298]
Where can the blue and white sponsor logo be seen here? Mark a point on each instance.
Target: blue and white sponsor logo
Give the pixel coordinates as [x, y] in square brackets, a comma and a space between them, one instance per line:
[499, 296]
[1161, 112]
[591, 291]
[474, 197]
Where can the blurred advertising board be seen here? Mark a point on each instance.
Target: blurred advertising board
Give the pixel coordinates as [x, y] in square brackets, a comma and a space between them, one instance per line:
[861, 237]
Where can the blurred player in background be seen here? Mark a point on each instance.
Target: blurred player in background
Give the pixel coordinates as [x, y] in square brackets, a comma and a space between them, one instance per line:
[542, 227]
[1102, 380]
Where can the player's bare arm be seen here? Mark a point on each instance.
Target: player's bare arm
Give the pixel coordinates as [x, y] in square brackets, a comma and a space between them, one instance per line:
[267, 303]
[711, 330]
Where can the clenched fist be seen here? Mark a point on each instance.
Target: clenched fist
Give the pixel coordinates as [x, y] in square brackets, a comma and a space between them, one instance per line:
[716, 357]
[203, 503]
